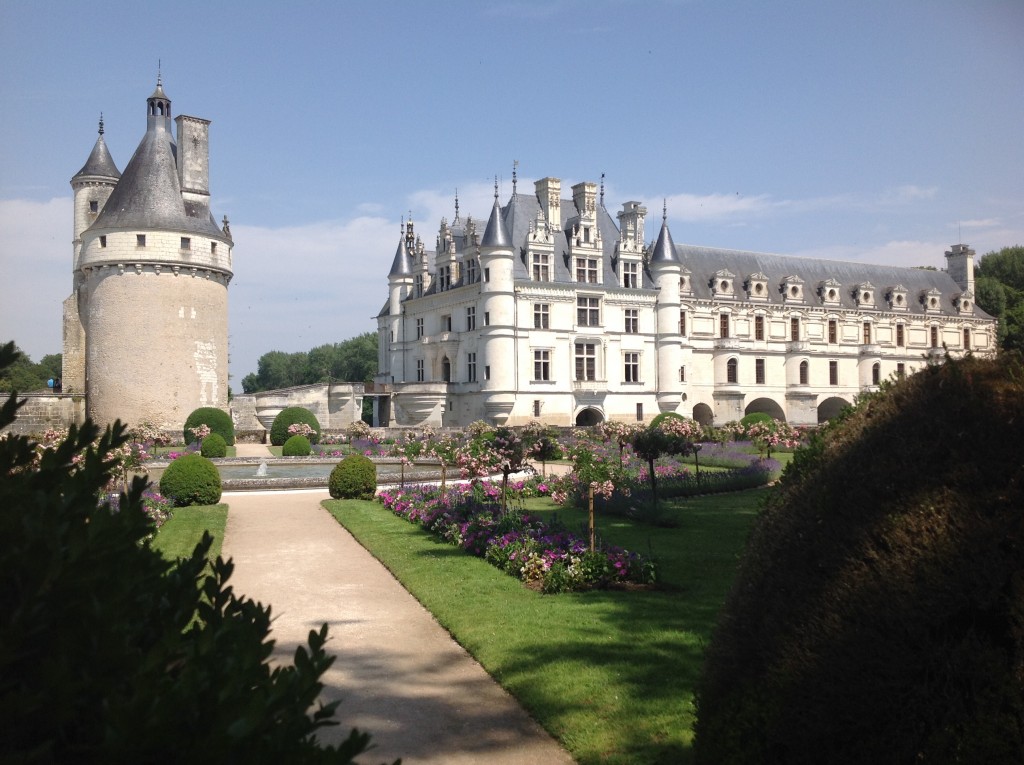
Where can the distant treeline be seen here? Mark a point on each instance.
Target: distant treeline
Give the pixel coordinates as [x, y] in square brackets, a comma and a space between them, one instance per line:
[999, 289]
[25, 376]
[353, 360]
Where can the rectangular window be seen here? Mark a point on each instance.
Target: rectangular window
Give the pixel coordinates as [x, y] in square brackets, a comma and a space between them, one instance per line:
[542, 365]
[487, 274]
[442, 278]
[833, 373]
[682, 323]
[759, 328]
[487, 318]
[833, 331]
[631, 275]
[186, 243]
[471, 367]
[541, 267]
[723, 325]
[682, 374]
[632, 321]
[536, 407]
[213, 248]
[94, 206]
[900, 338]
[470, 318]
[471, 271]
[586, 361]
[935, 337]
[586, 270]
[103, 241]
[588, 311]
[967, 339]
[140, 240]
[759, 371]
[446, 323]
[487, 372]
[419, 370]
[794, 330]
[867, 333]
[901, 370]
[639, 412]
[419, 328]
[540, 316]
[632, 367]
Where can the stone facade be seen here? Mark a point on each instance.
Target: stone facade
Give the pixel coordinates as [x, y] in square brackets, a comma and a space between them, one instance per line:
[146, 327]
[335, 405]
[562, 314]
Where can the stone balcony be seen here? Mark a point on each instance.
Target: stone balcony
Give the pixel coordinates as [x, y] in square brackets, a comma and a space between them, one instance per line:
[870, 349]
[590, 386]
[727, 344]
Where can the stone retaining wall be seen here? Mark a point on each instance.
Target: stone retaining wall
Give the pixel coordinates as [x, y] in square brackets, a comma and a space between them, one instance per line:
[43, 411]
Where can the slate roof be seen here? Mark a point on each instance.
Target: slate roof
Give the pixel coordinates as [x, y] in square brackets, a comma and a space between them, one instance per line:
[100, 164]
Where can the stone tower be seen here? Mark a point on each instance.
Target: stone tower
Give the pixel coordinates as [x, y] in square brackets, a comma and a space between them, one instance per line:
[146, 327]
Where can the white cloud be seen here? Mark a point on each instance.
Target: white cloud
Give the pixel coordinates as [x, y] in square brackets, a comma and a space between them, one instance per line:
[908, 193]
[902, 253]
[35, 250]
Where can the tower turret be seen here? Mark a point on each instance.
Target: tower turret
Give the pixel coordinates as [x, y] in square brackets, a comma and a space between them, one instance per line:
[665, 269]
[497, 336]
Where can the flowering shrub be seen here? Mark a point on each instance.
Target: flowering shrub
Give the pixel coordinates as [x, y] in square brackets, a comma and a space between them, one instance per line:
[127, 458]
[301, 429]
[544, 555]
[199, 432]
[147, 433]
[358, 429]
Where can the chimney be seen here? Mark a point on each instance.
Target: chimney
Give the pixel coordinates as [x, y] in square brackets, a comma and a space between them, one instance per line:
[549, 193]
[193, 155]
[960, 266]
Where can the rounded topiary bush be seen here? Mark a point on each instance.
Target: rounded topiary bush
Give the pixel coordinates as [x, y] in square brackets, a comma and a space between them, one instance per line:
[664, 416]
[213, 446]
[755, 417]
[191, 480]
[216, 419]
[878, 614]
[293, 415]
[355, 477]
[296, 446]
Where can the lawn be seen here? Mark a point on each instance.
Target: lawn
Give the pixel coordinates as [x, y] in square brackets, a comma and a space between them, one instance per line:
[611, 674]
[178, 537]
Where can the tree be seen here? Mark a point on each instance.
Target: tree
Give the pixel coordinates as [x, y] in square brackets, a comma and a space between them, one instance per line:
[24, 375]
[109, 652]
[999, 290]
[354, 360]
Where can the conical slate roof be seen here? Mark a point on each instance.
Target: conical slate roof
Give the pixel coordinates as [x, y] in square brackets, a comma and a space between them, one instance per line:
[496, 234]
[664, 249]
[401, 265]
[100, 164]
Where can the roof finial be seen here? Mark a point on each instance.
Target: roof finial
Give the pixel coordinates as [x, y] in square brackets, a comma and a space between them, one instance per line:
[159, 75]
[456, 207]
[664, 209]
[101, 123]
[602, 189]
[495, 187]
[515, 167]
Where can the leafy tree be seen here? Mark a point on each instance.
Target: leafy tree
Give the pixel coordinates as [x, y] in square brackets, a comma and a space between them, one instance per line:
[110, 653]
[999, 290]
[24, 375]
[354, 360]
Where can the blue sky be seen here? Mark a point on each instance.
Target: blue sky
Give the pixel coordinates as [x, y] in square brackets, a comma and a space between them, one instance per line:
[867, 131]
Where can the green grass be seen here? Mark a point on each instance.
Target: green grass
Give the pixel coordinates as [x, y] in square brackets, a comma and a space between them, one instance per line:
[178, 537]
[161, 451]
[610, 674]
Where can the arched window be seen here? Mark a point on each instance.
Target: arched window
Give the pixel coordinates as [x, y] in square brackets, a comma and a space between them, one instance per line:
[803, 373]
[876, 373]
[446, 369]
[731, 371]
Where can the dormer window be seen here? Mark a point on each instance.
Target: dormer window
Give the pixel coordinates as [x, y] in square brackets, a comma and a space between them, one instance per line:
[897, 298]
[829, 292]
[965, 302]
[757, 286]
[792, 289]
[864, 295]
[722, 284]
[630, 274]
[685, 285]
[932, 300]
[471, 273]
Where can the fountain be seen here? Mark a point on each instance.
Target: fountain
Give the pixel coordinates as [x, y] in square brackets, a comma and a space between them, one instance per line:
[261, 471]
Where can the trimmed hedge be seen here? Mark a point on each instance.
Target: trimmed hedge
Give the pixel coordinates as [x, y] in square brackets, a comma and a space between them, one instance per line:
[191, 480]
[296, 446]
[878, 615]
[355, 477]
[289, 416]
[218, 421]
[213, 446]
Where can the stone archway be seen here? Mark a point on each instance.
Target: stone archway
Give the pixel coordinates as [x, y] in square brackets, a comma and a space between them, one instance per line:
[703, 414]
[767, 406]
[831, 407]
[589, 416]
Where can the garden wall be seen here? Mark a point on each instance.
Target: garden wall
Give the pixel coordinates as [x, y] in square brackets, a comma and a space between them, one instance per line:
[43, 411]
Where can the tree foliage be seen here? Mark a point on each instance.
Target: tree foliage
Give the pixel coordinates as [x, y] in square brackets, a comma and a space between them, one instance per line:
[110, 653]
[26, 376]
[878, 615]
[354, 360]
[999, 290]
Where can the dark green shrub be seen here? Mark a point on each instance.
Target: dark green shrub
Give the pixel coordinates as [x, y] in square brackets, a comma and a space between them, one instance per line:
[218, 421]
[164, 662]
[191, 480]
[293, 415]
[355, 477]
[657, 421]
[213, 446]
[296, 446]
[755, 417]
[878, 615]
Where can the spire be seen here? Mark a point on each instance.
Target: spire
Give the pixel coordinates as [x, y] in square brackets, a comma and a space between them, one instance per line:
[496, 234]
[100, 164]
[456, 219]
[401, 266]
[665, 249]
[602, 189]
[515, 168]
